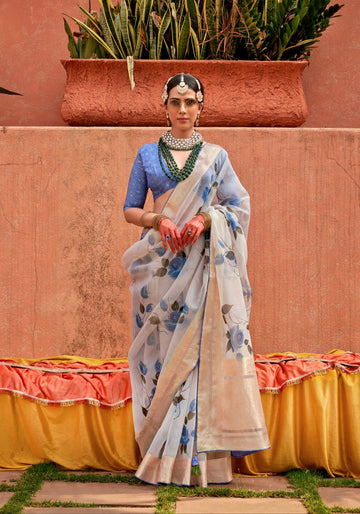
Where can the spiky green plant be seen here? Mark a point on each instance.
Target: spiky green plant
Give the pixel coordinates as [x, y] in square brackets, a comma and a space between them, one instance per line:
[220, 29]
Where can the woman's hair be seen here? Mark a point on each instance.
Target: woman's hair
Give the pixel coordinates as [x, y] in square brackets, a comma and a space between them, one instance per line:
[182, 79]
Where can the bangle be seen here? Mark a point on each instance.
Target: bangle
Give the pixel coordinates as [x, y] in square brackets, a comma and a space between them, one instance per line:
[142, 216]
[207, 220]
[156, 219]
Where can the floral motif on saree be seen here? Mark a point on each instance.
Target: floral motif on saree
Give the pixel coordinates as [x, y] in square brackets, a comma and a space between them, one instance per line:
[195, 391]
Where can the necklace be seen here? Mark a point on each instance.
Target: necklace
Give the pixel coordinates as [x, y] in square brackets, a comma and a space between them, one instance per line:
[174, 143]
[175, 173]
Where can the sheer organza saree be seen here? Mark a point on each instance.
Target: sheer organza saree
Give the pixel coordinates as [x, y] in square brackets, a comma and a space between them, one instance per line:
[194, 385]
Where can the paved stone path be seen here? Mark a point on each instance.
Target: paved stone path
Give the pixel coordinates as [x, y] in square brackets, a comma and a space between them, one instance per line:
[4, 498]
[345, 497]
[99, 493]
[122, 498]
[239, 506]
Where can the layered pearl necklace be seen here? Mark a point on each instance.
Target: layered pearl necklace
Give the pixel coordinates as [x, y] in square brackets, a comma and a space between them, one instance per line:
[168, 142]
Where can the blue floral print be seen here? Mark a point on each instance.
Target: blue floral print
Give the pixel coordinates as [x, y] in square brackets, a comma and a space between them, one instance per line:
[172, 320]
[144, 292]
[158, 366]
[232, 221]
[176, 265]
[205, 193]
[163, 305]
[160, 251]
[219, 259]
[139, 321]
[204, 186]
[143, 368]
[152, 394]
[236, 337]
[184, 436]
[151, 340]
[192, 405]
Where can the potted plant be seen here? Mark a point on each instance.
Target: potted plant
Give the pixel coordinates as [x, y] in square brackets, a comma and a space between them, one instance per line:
[249, 53]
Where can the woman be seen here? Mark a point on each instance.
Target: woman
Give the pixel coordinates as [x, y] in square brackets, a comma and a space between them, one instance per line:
[195, 391]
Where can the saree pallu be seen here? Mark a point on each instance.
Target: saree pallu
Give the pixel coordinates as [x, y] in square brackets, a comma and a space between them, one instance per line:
[194, 384]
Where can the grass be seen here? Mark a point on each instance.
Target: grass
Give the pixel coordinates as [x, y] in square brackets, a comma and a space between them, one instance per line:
[305, 485]
[25, 488]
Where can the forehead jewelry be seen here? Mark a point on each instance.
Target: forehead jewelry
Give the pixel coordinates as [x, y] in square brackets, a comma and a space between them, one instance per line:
[182, 87]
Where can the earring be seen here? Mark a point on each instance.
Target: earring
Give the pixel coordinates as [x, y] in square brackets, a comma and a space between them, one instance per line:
[197, 119]
[167, 119]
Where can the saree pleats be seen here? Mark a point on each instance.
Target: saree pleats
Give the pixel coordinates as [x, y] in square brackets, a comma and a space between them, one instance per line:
[230, 415]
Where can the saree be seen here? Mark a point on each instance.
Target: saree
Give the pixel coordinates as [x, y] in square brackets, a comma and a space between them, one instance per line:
[196, 399]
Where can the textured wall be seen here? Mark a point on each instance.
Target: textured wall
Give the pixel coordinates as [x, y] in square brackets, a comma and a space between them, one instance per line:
[62, 286]
[33, 41]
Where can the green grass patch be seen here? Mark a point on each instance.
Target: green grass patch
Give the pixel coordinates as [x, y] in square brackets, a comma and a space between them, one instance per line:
[341, 509]
[226, 492]
[305, 487]
[166, 498]
[27, 485]
[107, 478]
[304, 482]
[4, 488]
[338, 482]
[64, 504]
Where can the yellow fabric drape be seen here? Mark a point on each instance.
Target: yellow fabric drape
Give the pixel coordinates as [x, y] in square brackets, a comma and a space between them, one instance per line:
[75, 437]
[312, 425]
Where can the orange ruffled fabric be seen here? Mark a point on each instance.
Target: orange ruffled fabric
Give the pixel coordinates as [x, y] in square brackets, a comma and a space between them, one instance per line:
[276, 371]
[67, 380]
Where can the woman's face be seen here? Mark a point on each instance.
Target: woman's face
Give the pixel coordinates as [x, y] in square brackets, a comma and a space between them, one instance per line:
[182, 110]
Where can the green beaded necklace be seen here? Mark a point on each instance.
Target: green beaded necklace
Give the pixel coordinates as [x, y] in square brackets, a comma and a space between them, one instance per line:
[175, 173]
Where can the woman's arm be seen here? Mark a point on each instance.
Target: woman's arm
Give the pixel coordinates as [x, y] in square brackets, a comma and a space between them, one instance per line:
[139, 217]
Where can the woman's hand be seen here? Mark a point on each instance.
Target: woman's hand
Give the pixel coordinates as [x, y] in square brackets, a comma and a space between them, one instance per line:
[170, 235]
[192, 229]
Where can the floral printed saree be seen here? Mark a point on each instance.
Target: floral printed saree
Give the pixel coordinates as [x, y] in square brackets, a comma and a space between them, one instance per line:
[194, 384]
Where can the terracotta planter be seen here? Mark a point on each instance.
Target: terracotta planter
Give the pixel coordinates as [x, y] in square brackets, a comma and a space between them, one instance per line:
[237, 93]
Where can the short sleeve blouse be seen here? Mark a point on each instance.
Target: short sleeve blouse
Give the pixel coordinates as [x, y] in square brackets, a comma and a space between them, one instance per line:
[146, 174]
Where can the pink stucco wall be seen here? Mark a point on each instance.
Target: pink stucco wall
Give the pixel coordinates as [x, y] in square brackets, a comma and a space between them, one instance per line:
[63, 289]
[33, 41]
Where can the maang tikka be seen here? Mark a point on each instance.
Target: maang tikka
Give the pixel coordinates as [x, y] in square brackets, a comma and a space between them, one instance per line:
[182, 88]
